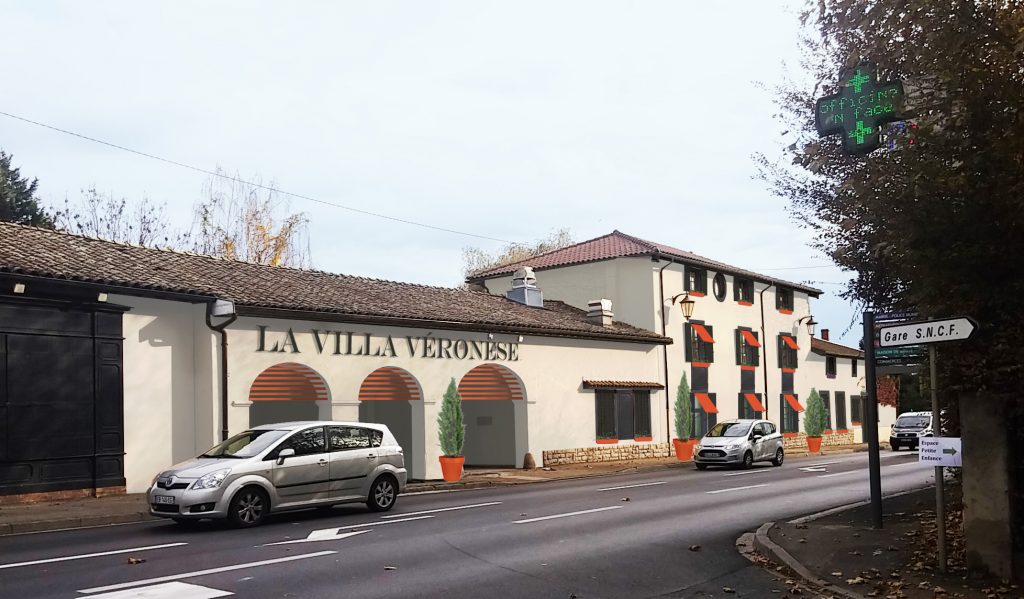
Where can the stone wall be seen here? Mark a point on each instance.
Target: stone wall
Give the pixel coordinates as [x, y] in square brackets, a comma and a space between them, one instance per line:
[609, 453]
[827, 440]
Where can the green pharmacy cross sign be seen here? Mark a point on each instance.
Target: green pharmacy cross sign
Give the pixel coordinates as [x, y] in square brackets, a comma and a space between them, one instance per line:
[859, 109]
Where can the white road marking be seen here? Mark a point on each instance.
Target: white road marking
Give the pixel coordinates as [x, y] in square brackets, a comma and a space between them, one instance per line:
[815, 469]
[760, 471]
[566, 515]
[443, 509]
[823, 464]
[88, 555]
[327, 534]
[197, 573]
[736, 489]
[632, 486]
[842, 473]
[169, 590]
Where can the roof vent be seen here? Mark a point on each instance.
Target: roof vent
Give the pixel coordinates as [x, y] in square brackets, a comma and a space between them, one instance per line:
[524, 289]
[599, 312]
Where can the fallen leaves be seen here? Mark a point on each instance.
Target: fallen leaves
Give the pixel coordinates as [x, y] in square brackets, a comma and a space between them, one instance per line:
[134, 561]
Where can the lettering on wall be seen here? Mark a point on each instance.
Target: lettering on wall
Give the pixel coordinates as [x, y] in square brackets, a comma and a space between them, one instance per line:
[347, 343]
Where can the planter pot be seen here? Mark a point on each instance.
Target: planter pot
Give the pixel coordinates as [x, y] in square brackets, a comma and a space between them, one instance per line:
[684, 449]
[814, 444]
[451, 468]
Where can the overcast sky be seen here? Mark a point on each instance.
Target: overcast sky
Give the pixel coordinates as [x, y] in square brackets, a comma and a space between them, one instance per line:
[502, 119]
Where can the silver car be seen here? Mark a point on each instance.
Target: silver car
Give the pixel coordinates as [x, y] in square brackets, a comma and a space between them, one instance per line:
[278, 467]
[740, 443]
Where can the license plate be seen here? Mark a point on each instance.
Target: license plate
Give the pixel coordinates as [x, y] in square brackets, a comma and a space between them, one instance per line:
[164, 499]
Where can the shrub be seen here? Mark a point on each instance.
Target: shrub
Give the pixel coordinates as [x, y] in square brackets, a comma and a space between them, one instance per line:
[684, 410]
[450, 428]
[815, 419]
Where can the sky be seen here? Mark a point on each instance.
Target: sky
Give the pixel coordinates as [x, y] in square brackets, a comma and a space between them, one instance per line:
[506, 120]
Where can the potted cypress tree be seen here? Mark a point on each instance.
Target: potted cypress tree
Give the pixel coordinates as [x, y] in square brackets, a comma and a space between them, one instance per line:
[815, 421]
[684, 422]
[451, 433]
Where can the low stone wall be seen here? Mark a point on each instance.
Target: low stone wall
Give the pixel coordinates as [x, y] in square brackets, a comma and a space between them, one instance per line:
[610, 453]
[60, 495]
[827, 440]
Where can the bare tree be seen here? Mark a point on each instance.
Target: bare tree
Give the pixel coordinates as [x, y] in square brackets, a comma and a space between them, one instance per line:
[107, 217]
[475, 259]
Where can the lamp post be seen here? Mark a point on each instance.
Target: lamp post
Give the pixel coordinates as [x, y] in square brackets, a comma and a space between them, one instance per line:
[811, 323]
[686, 304]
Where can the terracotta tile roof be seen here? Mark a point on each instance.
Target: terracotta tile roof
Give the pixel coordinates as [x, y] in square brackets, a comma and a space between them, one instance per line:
[619, 245]
[827, 348]
[123, 268]
[621, 385]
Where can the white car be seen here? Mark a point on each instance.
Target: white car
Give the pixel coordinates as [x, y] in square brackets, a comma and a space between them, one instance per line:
[740, 443]
[278, 467]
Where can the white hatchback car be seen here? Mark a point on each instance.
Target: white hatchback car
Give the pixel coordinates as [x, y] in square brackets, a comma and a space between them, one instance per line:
[278, 467]
[740, 443]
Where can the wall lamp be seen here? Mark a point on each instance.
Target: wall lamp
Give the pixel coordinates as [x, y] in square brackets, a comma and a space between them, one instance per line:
[686, 304]
[810, 324]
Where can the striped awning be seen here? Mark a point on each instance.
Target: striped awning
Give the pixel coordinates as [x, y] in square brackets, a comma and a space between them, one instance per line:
[288, 381]
[791, 342]
[588, 384]
[793, 403]
[489, 382]
[703, 333]
[389, 383]
[750, 337]
[754, 402]
[706, 404]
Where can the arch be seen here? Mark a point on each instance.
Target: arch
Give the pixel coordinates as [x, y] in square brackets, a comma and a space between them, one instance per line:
[494, 410]
[392, 396]
[288, 392]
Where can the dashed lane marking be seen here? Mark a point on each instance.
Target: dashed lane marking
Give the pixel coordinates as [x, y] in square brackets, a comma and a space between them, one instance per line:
[632, 486]
[88, 555]
[736, 489]
[566, 515]
[327, 534]
[443, 509]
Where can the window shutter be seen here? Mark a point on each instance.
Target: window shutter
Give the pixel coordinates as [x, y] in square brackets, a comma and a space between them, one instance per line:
[781, 348]
[624, 414]
[605, 408]
[840, 410]
[756, 351]
[738, 337]
[710, 346]
[712, 418]
[688, 342]
[855, 407]
[641, 413]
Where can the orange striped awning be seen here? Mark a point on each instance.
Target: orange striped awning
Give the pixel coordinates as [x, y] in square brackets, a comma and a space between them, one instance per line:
[791, 342]
[289, 380]
[793, 403]
[754, 402]
[490, 381]
[703, 333]
[389, 383]
[751, 339]
[706, 404]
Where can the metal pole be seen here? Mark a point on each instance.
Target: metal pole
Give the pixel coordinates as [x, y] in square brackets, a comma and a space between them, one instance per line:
[940, 502]
[871, 420]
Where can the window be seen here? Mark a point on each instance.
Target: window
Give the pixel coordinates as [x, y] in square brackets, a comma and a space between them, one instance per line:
[729, 429]
[747, 347]
[855, 408]
[787, 351]
[718, 287]
[696, 281]
[748, 406]
[307, 442]
[830, 367]
[341, 438]
[769, 428]
[853, 365]
[623, 414]
[840, 410]
[245, 445]
[700, 341]
[705, 413]
[790, 417]
[743, 291]
[826, 399]
[784, 300]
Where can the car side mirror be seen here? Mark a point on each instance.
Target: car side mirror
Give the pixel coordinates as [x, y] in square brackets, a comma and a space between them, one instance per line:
[285, 453]
[758, 438]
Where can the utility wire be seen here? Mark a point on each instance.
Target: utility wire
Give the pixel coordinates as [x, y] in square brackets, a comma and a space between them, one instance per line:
[253, 183]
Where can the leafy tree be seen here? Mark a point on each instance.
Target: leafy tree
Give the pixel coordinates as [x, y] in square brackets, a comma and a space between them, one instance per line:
[475, 259]
[683, 410]
[450, 429]
[18, 202]
[106, 217]
[815, 418]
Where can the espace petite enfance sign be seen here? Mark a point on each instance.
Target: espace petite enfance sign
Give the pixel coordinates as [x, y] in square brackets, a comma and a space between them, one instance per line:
[347, 343]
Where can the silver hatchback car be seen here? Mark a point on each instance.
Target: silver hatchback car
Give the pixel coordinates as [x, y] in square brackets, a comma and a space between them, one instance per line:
[278, 467]
[740, 443]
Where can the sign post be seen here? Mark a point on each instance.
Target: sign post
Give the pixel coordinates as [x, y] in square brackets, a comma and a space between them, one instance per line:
[940, 478]
[871, 421]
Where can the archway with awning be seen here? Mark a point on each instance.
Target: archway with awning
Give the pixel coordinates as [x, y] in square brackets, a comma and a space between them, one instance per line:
[392, 396]
[494, 410]
[288, 392]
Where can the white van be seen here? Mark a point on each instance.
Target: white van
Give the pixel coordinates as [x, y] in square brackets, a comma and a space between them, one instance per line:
[909, 428]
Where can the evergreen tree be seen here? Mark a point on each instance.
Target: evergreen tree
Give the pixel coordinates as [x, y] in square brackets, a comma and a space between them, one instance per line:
[815, 419]
[450, 429]
[684, 410]
[18, 203]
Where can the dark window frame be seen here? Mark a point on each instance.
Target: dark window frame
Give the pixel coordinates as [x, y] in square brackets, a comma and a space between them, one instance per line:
[856, 407]
[719, 286]
[840, 410]
[743, 290]
[702, 419]
[790, 421]
[699, 283]
[787, 356]
[745, 410]
[830, 366]
[853, 366]
[698, 350]
[826, 399]
[784, 299]
[746, 354]
[609, 425]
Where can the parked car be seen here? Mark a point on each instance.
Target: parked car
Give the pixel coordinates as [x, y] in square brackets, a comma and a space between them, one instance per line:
[279, 467]
[740, 443]
[909, 428]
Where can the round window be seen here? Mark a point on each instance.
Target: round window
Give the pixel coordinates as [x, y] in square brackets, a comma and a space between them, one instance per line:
[719, 287]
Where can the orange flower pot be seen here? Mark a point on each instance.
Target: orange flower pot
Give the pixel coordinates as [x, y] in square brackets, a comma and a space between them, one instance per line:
[451, 468]
[684, 449]
[814, 444]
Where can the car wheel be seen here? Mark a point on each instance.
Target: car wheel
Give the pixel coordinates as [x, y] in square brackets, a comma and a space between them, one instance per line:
[748, 460]
[249, 507]
[895, 446]
[700, 466]
[779, 457]
[383, 494]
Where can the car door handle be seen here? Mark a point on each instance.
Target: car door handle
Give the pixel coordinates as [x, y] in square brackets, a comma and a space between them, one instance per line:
[322, 462]
[371, 456]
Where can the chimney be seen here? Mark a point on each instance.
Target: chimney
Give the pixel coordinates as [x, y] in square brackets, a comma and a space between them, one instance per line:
[824, 334]
[599, 312]
[524, 289]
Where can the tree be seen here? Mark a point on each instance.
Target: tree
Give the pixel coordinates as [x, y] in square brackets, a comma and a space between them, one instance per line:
[106, 217]
[243, 220]
[475, 259]
[683, 410]
[815, 418]
[18, 202]
[450, 429]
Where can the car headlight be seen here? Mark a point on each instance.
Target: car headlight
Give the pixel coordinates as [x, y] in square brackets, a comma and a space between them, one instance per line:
[212, 480]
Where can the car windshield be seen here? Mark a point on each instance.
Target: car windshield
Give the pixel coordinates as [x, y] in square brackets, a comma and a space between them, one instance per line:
[245, 445]
[729, 429]
[913, 421]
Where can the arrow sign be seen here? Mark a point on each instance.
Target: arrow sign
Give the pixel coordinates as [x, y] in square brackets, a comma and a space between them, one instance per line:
[940, 451]
[930, 331]
[950, 451]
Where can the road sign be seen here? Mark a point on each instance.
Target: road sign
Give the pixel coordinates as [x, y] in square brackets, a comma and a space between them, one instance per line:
[930, 331]
[940, 451]
[858, 109]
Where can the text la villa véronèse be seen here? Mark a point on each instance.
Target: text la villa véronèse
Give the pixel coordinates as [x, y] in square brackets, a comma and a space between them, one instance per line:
[346, 343]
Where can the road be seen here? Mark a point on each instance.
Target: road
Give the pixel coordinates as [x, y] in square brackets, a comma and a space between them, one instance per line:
[616, 536]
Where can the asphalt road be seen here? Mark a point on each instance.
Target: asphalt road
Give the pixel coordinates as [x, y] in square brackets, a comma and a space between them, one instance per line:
[558, 539]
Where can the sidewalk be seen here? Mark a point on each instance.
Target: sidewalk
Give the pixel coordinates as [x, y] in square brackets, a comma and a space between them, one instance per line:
[119, 509]
[843, 556]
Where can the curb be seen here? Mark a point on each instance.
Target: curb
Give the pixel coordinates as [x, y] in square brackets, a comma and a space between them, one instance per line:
[70, 523]
[780, 556]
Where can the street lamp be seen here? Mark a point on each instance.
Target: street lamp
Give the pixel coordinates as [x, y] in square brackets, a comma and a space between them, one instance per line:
[810, 324]
[686, 304]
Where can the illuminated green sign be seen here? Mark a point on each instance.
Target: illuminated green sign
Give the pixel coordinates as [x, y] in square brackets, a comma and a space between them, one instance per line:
[859, 109]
